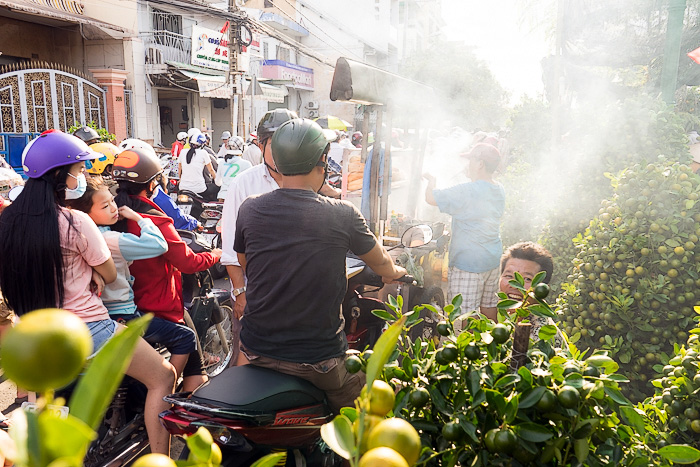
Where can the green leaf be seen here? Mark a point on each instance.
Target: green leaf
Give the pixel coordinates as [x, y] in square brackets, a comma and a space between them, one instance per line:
[506, 380]
[632, 417]
[350, 412]
[457, 300]
[603, 361]
[539, 277]
[672, 243]
[525, 375]
[532, 397]
[339, 437]
[542, 310]
[383, 349]
[617, 396]
[95, 390]
[65, 439]
[413, 315]
[511, 410]
[383, 314]
[469, 428]
[547, 332]
[680, 454]
[581, 449]
[270, 460]
[532, 432]
[507, 303]
[393, 303]
[496, 400]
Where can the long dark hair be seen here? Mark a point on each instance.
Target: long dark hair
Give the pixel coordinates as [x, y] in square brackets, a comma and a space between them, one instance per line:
[190, 154]
[31, 260]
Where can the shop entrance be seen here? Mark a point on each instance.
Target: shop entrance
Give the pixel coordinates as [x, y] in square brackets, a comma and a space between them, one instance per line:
[175, 114]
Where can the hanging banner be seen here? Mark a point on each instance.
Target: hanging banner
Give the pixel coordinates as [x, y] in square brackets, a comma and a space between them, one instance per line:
[209, 48]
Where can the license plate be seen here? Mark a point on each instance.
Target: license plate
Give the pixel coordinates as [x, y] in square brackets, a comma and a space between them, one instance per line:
[60, 410]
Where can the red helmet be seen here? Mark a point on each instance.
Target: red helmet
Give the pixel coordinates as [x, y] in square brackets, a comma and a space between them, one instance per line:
[357, 139]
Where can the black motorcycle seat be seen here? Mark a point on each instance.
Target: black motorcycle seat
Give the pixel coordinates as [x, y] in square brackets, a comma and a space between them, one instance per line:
[257, 389]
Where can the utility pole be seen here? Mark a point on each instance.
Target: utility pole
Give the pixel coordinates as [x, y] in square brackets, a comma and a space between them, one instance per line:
[233, 31]
[672, 50]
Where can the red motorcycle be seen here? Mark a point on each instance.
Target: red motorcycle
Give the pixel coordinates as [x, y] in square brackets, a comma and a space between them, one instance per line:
[252, 411]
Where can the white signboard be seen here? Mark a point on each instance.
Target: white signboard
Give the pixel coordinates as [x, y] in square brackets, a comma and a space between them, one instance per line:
[209, 48]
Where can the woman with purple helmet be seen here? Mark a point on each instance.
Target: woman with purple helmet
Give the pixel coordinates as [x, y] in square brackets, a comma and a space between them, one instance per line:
[54, 257]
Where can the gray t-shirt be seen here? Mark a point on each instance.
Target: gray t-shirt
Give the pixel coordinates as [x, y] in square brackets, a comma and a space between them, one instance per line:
[295, 242]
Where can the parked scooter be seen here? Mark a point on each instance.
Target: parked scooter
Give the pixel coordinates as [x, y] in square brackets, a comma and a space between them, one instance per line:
[252, 411]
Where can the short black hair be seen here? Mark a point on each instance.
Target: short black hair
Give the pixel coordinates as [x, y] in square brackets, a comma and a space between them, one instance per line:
[530, 251]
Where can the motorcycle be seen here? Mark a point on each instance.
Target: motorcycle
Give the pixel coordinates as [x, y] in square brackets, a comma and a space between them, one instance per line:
[251, 411]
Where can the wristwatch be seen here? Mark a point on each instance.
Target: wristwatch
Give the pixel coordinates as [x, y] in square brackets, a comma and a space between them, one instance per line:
[238, 291]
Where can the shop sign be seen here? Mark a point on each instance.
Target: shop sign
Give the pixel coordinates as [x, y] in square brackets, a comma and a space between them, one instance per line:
[214, 89]
[301, 76]
[209, 48]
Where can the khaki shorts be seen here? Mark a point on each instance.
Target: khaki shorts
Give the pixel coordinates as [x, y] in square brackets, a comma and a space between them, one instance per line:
[341, 387]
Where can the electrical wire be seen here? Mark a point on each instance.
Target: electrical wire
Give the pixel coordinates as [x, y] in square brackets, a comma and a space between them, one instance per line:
[310, 32]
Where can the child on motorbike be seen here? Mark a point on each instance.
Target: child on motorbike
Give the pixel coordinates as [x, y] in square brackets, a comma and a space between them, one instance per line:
[50, 256]
[118, 296]
[157, 281]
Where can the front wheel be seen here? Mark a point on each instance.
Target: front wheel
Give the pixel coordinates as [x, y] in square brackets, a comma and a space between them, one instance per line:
[217, 344]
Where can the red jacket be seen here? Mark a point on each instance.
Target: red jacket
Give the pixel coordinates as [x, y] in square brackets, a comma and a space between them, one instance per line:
[157, 281]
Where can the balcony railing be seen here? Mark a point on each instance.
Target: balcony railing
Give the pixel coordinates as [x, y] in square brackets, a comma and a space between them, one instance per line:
[173, 47]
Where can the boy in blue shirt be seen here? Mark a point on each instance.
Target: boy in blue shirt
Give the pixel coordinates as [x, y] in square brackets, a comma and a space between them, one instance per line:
[476, 208]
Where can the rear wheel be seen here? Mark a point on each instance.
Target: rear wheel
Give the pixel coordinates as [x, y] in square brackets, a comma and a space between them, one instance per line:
[217, 344]
[426, 329]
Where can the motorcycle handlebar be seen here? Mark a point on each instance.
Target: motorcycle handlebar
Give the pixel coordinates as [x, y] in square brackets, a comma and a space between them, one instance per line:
[408, 279]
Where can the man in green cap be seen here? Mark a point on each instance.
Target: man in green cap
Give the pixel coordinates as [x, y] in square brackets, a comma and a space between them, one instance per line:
[292, 244]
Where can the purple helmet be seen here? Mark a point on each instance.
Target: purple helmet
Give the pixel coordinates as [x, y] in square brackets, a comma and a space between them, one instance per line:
[52, 149]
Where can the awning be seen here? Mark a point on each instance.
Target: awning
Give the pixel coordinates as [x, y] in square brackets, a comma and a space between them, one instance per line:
[269, 92]
[213, 86]
[94, 29]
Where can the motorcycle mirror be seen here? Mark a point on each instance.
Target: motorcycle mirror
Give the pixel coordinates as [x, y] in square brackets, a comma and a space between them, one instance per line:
[415, 236]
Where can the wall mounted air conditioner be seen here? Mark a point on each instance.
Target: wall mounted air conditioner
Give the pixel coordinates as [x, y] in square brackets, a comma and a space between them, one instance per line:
[313, 113]
[312, 105]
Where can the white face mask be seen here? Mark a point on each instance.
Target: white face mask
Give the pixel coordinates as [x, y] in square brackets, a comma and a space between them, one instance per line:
[78, 191]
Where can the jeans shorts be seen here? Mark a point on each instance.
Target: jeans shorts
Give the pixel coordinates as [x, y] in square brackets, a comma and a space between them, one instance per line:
[177, 338]
[101, 332]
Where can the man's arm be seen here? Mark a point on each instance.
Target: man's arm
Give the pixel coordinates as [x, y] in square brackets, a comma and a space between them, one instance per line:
[379, 260]
[329, 191]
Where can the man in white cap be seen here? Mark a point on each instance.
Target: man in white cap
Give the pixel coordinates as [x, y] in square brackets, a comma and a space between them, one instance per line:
[252, 152]
[225, 136]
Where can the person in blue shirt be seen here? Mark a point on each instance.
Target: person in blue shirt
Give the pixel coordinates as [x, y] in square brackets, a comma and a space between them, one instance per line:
[476, 208]
[181, 220]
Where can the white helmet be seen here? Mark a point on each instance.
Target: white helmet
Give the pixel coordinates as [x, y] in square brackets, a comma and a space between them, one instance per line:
[226, 135]
[235, 145]
[133, 143]
[181, 136]
[193, 131]
[198, 139]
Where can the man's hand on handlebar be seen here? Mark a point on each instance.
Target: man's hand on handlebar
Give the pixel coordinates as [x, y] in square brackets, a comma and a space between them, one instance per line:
[399, 272]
